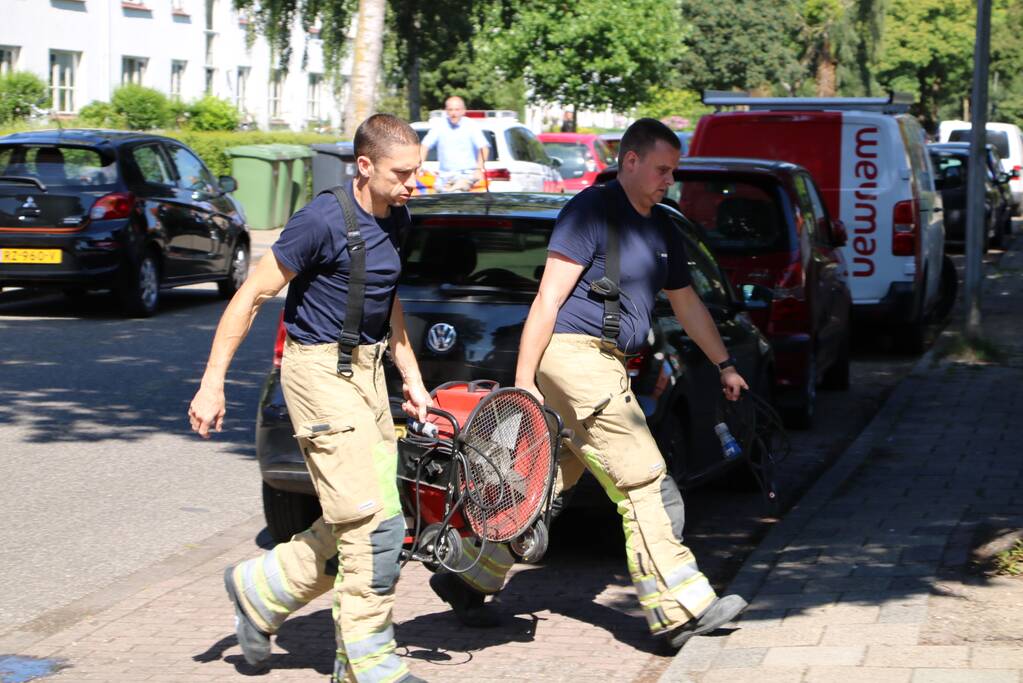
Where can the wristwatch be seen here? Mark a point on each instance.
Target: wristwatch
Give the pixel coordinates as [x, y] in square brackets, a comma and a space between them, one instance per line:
[726, 363]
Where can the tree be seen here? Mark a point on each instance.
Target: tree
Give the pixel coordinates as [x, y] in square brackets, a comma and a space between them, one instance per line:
[927, 49]
[369, 41]
[744, 45]
[585, 53]
[1007, 61]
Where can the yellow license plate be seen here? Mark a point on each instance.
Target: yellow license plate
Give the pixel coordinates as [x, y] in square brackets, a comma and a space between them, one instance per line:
[400, 431]
[29, 255]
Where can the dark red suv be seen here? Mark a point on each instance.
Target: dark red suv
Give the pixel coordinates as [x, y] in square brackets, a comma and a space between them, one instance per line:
[767, 225]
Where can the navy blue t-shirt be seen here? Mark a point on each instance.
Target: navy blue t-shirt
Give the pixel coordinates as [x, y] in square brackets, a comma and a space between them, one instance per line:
[314, 245]
[652, 253]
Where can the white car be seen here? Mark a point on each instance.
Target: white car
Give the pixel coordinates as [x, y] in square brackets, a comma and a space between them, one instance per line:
[1007, 139]
[517, 161]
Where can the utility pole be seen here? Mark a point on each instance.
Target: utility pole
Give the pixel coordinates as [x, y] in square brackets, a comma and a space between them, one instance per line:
[975, 223]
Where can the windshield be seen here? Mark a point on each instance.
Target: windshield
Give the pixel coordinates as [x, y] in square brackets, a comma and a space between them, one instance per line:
[576, 158]
[470, 252]
[59, 167]
[999, 139]
[737, 214]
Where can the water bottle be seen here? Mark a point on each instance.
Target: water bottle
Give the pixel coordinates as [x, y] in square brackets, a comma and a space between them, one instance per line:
[729, 446]
[427, 429]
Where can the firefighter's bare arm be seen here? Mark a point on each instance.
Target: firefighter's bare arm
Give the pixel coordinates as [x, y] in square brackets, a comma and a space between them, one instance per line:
[699, 325]
[559, 277]
[417, 398]
[266, 280]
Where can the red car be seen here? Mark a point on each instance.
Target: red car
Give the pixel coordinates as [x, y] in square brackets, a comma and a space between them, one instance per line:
[767, 224]
[582, 157]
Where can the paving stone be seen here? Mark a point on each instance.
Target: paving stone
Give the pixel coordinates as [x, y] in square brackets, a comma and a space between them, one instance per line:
[758, 675]
[741, 658]
[869, 634]
[833, 614]
[964, 676]
[785, 635]
[901, 613]
[997, 657]
[918, 656]
[852, 674]
[810, 656]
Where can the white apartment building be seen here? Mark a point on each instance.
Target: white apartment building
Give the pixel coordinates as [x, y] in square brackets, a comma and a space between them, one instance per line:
[85, 49]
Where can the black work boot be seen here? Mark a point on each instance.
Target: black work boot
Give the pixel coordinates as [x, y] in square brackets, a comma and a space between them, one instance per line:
[468, 604]
[720, 612]
[255, 643]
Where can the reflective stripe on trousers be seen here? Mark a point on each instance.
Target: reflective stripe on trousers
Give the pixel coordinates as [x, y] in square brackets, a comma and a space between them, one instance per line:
[488, 573]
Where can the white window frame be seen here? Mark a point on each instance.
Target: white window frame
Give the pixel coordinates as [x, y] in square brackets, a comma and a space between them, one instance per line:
[133, 69]
[276, 94]
[314, 97]
[63, 74]
[241, 90]
[8, 59]
[177, 78]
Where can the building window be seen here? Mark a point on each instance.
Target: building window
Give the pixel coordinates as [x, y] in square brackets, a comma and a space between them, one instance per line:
[178, 7]
[177, 76]
[133, 69]
[8, 60]
[62, 80]
[276, 91]
[313, 104]
[241, 91]
[209, 47]
[210, 74]
[209, 14]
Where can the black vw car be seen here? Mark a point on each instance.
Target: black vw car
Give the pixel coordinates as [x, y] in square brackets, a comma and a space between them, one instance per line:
[125, 211]
[472, 264]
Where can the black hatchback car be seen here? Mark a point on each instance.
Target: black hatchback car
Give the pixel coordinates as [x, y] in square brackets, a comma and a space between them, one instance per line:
[125, 211]
[472, 265]
[951, 161]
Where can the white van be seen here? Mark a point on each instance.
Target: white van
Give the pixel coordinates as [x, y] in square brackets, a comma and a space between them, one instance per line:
[517, 162]
[869, 159]
[1007, 140]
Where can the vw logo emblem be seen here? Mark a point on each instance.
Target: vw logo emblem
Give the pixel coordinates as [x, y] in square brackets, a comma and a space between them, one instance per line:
[441, 338]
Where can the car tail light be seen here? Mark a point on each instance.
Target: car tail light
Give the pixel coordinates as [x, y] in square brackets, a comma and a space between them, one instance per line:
[498, 174]
[1017, 171]
[788, 309]
[635, 364]
[282, 334]
[114, 205]
[905, 226]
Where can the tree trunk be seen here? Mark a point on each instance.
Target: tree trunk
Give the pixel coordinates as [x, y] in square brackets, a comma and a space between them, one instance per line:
[827, 68]
[369, 43]
[415, 105]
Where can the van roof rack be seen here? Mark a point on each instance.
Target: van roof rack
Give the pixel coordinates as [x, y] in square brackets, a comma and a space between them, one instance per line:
[480, 114]
[894, 103]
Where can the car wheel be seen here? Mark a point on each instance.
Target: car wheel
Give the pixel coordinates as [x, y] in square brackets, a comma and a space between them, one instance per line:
[800, 415]
[236, 272]
[837, 376]
[288, 513]
[140, 293]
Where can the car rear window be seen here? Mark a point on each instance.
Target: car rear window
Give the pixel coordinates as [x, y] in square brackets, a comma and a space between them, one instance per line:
[999, 139]
[488, 134]
[59, 166]
[737, 214]
[949, 171]
[483, 252]
[576, 158]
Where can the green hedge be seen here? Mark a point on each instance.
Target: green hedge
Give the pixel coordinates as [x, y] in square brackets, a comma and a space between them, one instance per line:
[212, 146]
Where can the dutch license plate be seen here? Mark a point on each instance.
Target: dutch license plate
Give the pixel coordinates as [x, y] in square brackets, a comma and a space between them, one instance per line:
[30, 255]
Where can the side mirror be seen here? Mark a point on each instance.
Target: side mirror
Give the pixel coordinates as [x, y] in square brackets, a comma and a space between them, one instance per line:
[228, 183]
[756, 297]
[839, 236]
[556, 162]
[1003, 178]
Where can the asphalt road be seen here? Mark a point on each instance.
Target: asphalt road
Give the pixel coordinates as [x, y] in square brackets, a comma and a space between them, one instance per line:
[103, 477]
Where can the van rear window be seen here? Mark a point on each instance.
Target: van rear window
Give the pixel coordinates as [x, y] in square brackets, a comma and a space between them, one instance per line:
[998, 139]
[737, 214]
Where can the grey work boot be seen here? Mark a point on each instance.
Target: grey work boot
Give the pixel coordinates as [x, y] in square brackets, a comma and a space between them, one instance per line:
[720, 612]
[468, 604]
[255, 643]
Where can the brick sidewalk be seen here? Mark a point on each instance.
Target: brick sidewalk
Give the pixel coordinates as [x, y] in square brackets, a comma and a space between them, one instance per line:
[871, 576]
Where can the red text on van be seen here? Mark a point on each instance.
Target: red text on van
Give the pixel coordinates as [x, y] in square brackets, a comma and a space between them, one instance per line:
[865, 204]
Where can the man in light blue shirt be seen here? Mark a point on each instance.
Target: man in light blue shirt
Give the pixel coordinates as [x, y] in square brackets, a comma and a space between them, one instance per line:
[461, 148]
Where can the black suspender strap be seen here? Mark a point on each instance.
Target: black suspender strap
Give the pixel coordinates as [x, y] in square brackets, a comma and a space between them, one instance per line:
[351, 327]
[607, 287]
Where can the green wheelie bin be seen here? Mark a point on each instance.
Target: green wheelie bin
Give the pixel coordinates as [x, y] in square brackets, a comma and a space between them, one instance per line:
[264, 181]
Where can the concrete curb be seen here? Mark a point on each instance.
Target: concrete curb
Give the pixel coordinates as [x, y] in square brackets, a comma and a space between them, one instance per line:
[758, 565]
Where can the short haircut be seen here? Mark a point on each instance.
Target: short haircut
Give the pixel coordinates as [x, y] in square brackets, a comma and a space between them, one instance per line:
[377, 135]
[642, 135]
